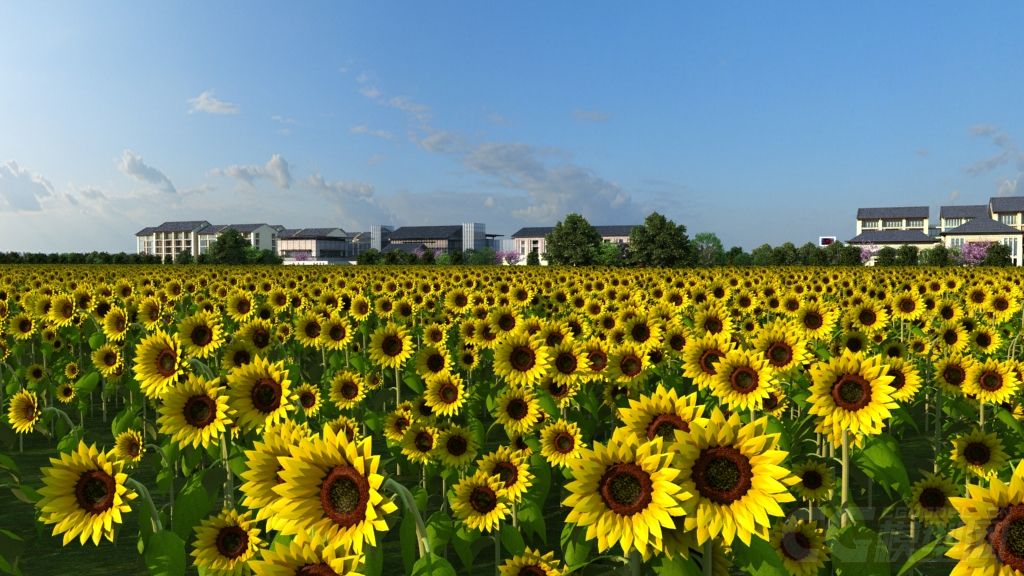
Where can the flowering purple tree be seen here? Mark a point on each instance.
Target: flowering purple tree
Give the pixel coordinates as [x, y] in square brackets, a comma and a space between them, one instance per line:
[510, 257]
[867, 253]
[972, 253]
[302, 256]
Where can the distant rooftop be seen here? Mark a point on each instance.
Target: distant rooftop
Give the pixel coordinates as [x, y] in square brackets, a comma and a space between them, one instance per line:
[312, 233]
[982, 226]
[187, 226]
[972, 211]
[243, 228]
[542, 231]
[426, 232]
[894, 212]
[1007, 204]
[893, 237]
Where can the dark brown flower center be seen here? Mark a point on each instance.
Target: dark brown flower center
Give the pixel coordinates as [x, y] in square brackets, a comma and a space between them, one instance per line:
[349, 390]
[448, 392]
[708, 360]
[1000, 303]
[932, 499]
[435, 362]
[232, 541]
[344, 494]
[564, 442]
[625, 488]
[241, 357]
[456, 445]
[990, 381]
[312, 329]
[506, 322]
[483, 499]
[630, 365]
[266, 395]
[507, 471]
[200, 411]
[532, 570]
[522, 358]
[899, 380]
[336, 333]
[307, 399]
[201, 336]
[315, 570]
[851, 392]
[566, 363]
[722, 474]
[1006, 536]
[598, 360]
[977, 453]
[166, 362]
[517, 409]
[392, 345]
[779, 354]
[94, 491]
[713, 325]
[950, 337]
[795, 545]
[677, 342]
[812, 479]
[771, 401]
[401, 423]
[907, 305]
[744, 379]
[867, 317]
[954, 375]
[424, 441]
[640, 333]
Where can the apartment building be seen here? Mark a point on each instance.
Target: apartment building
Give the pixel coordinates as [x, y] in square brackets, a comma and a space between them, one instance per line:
[532, 239]
[170, 239]
[262, 236]
[986, 230]
[1008, 210]
[952, 216]
[896, 218]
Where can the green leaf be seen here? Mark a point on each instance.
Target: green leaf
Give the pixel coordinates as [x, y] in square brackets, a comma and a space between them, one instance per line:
[858, 551]
[919, 555]
[414, 382]
[440, 529]
[531, 520]
[96, 340]
[880, 460]
[124, 420]
[190, 507]
[467, 544]
[541, 471]
[1007, 418]
[373, 559]
[575, 549]
[87, 383]
[165, 554]
[70, 440]
[547, 403]
[759, 559]
[512, 540]
[407, 538]
[26, 494]
[678, 567]
[432, 565]
[11, 546]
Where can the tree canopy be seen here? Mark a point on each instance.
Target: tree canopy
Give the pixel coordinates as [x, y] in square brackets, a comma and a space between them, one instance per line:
[573, 242]
[660, 242]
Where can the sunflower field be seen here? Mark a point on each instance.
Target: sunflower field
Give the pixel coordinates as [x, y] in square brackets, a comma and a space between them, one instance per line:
[511, 420]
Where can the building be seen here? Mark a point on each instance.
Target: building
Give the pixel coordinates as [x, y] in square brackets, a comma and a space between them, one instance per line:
[262, 236]
[952, 216]
[878, 239]
[1008, 210]
[446, 239]
[896, 218]
[314, 246]
[986, 230]
[170, 239]
[533, 239]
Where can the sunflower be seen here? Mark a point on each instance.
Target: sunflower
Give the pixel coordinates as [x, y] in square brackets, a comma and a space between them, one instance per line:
[308, 398]
[627, 365]
[431, 360]
[456, 447]
[390, 346]
[979, 453]
[851, 393]
[260, 393]
[568, 363]
[201, 335]
[397, 422]
[985, 340]
[929, 500]
[990, 542]
[308, 329]
[23, 411]
[522, 360]
[906, 380]
[643, 332]
[34, 374]
[782, 346]
[65, 393]
[480, 502]
[71, 370]
[240, 306]
[259, 332]
[330, 493]
[107, 359]
[951, 372]
[742, 380]
[517, 410]
[532, 563]
[225, 543]
[347, 389]
[336, 333]
[149, 312]
[511, 466]
[360, 308]
[733, 470]
[869, 317]
[467, 358]
[701, 355]
[263, 469]
[294, 559]
[22, 326]
[595, 356]
[814, 481]
[561, 443]
[951, 337]
[661, 414]
[158, 364]
[115, 324]
[238, 353]
[445, 394]
[801, 546]
[129, 447]
[991, 382]
[84, 495]
[195, 412]
[419, 442]
[624, 492]
[62, 310]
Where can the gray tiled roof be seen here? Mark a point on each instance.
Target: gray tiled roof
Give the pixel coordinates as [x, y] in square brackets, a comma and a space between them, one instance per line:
[187, 226]
[894, 212]
[426, 232]
[145, 231]
[893, 237]
[1007, 204]
[311, 233]
[981, 226]
[243, 228]
[973, 211]
[542, 231]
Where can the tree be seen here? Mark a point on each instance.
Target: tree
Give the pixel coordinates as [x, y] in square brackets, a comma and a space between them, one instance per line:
[763, 255]
[428, 257]
[937, 256]
[532, 259]
[368, 257]
[906, 255]
[481, 257]
[229, 248]
[973, 253]
[998, 254]
[708, 249]
[811, 255]
[886, 257]
[785, 255]
[849, 255]
[660, 242]
[737, 257]
[611, 254]
[183, 257]
[573, 242]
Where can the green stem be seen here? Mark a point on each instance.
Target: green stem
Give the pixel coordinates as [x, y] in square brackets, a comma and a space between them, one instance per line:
[845, 498]
[709, 557]
[52, 410]
[636, 563]
[154, 516]
[229, 482]
[410, 508]
[938, 427]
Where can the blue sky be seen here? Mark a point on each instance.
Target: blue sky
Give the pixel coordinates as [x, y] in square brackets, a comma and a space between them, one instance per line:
[760, 122]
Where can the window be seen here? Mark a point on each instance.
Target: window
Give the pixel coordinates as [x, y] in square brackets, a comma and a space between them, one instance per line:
[956, 242]
[1012, 243]
[869, 224]
[1008, 219]
[954, 222]
[915, 223]
[892, 223]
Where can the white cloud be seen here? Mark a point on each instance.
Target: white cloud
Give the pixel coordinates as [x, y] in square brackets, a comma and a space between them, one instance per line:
[1009, 154]
[22, 190]
[340, 188]
[364, 129]
[133, 165]
[210, 104]
[441, 141]
[275, 170]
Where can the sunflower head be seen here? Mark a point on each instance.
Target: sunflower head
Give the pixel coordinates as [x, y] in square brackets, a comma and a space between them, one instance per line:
[226, 542]
[129, 447]
[561, 442]
[158, 363]
[24, 411]
[801, 546]
[480, 502]
[260, 393]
